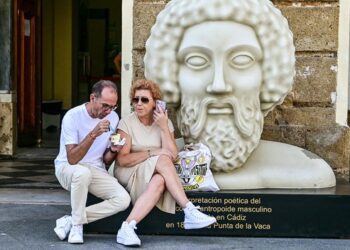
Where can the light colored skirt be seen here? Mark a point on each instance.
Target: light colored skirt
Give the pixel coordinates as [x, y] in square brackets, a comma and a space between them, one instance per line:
[135, 180]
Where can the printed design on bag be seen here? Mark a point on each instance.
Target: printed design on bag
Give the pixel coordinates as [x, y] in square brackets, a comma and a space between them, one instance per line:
[191, 166]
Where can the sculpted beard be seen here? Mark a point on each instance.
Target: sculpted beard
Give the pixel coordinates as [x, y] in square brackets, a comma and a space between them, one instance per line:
[230, 137]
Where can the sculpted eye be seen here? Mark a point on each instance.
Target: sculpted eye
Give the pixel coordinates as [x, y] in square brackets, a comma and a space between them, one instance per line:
[197, 61]
[242, 61]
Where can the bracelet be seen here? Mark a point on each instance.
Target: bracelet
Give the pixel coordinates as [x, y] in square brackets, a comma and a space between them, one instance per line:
[110, 149]
[149, 153]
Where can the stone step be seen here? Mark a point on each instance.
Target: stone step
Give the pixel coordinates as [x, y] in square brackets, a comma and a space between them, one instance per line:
[34, 196]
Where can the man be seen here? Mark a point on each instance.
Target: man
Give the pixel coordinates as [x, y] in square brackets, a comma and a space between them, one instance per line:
[225, 64]
[80, 167]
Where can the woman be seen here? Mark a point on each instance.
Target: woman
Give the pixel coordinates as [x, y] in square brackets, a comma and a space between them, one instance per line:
[145, 164]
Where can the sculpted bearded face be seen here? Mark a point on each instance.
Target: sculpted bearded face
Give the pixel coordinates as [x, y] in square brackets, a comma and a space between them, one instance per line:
[224, 65]
[220, 77]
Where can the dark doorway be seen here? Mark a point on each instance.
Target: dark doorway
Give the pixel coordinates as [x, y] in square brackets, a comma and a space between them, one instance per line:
[96, 41]
[28, 71]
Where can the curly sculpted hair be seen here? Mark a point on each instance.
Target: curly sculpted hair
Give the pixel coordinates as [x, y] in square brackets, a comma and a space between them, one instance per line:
[270, 26]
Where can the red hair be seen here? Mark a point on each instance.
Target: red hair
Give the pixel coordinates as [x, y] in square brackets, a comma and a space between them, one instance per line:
[146, 85]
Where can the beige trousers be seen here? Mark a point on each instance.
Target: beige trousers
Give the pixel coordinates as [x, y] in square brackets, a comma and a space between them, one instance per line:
[81, 179]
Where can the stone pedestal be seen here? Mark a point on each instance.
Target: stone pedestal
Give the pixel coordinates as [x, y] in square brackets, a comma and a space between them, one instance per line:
[7, 99]
[269, 213]
[7, 125]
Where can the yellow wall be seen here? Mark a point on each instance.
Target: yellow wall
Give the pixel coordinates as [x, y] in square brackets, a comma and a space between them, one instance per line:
[57, 51]
[47, 50]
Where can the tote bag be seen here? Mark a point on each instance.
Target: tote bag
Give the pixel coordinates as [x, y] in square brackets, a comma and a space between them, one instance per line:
[193, 168]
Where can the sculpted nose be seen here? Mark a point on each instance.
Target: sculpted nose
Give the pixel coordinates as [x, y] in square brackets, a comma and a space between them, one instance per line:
[218, 84]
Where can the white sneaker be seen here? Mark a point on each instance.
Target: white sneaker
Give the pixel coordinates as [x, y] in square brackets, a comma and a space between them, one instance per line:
[195, 219]
[126, 234]
[76, 234]
[63, 226]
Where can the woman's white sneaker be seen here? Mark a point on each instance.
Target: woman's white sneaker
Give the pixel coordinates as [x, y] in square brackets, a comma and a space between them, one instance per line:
[195, 219]
[76, 234]
[63, 226]
[126, 234]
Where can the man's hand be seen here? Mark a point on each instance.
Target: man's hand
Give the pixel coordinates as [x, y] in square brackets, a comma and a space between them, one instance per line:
[101, 127]
[76, 152]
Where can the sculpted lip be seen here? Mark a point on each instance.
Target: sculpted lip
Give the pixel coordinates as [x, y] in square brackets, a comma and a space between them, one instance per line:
[220, 109]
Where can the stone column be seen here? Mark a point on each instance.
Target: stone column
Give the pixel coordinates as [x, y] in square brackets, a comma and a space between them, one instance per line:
[7, 97]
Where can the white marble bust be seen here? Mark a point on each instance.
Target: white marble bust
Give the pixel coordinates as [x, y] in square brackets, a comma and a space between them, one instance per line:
[224, 65]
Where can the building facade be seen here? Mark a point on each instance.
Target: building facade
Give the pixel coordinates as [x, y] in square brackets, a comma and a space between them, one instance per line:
[314, 114]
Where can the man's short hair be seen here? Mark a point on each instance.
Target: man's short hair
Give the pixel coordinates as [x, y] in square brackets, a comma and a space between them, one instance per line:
[267, 21]
[100, 85]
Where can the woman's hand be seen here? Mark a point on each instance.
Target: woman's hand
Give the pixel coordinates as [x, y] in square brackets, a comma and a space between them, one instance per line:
[161, 119]
[116, 148]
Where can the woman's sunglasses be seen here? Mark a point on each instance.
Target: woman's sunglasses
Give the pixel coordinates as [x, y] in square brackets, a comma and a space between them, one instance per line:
[143, 99]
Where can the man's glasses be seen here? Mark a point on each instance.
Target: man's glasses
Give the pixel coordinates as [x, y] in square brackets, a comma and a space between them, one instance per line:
[143, 99]
[106, 107]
